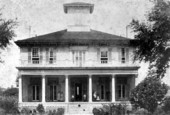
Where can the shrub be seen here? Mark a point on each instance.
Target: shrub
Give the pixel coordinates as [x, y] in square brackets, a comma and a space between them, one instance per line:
[25, 111]
[40, 108]
[110, 109]
[9, 104]
[148, 94]
[141, 112]
[118, 109]
[159, 111]
[166, 105]
[60, 111]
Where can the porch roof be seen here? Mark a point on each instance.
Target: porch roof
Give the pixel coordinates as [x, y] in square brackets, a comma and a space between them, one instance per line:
[78, 70]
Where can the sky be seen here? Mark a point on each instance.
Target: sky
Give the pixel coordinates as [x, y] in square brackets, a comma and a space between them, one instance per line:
[37, 17]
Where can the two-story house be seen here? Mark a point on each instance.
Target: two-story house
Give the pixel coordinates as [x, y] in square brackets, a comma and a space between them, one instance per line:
[77, 68]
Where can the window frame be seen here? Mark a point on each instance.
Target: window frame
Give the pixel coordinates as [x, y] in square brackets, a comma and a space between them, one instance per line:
[33, 58]
[51, 58]
[36, 94]
[104, 59]
[123, 55]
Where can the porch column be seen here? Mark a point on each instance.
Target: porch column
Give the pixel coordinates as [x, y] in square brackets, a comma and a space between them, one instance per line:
[43, 88]
[20, 89]
[66, 89]
[113, 88]
[90, 88]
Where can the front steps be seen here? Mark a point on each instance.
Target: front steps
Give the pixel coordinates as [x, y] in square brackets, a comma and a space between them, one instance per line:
[79, 109]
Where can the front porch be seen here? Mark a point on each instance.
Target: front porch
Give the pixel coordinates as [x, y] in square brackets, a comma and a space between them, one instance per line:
[74, 91]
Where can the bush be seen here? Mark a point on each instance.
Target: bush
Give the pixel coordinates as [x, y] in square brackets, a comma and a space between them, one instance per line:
[110, 109]
[141, 112]
[9, 104]
[25, 111]
[60, 111]
[98, 111]
[148, 94]
[166, 105]
[159, 111]
[40, 108]
[118, 109]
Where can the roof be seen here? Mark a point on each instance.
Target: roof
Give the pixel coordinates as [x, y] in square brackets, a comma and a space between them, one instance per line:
[78, 4]
[65, 37]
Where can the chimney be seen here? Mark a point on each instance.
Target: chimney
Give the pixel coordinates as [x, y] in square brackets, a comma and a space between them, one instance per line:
[78, 16]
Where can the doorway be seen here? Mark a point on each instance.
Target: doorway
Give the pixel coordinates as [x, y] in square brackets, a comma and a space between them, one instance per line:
[78, 92]
[78, 89]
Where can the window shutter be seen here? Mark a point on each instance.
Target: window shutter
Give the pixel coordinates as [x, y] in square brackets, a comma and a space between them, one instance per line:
[54, 54]
[29, 55]
[47, 55]
[30, 93]
[98, 55]
[127, 55]
[84, 56]
[119, 54]
[73, 53]
[41, 55]
[110, 54]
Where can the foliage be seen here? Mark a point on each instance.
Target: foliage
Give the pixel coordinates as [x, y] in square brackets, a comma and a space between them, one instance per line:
[6, 32]
[112, 109]
[166, 105]
[11, 92]
[40, 108]
[159, 111]
[148, 94]
[152, 38]
[25, 111]
[141, 112]
[9, 104]
[60, 111]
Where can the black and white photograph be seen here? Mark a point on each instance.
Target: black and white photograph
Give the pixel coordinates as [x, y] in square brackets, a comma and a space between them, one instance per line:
[84, 57]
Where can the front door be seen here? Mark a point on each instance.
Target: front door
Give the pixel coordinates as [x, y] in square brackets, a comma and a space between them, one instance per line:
[78, 92]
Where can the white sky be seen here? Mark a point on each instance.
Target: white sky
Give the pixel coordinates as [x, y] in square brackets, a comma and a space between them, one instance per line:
[46, 16]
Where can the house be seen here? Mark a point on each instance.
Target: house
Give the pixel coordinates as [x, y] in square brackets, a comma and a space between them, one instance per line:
[77, 68]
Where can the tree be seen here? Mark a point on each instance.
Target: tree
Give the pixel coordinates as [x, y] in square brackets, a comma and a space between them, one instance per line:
[6, 32]
[153, 37]
[148, 94]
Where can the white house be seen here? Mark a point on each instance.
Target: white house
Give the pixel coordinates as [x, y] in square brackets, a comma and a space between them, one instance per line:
[77, 68]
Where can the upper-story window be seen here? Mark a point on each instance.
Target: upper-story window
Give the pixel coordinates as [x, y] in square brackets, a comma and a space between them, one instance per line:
[78, 57]
[51, 56]
[104, 57]
[35, 55]
[123, 55]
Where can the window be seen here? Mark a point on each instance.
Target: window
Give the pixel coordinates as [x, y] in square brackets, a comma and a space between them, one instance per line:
[121, 91]
[35, 89]
[35, 56]
[123, 54]
[104, 57]
[53, 92]
[122, 88]
[51, 56]
[78, 57]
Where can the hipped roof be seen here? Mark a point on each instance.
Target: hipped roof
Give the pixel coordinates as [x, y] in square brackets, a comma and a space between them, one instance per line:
[65, 37]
